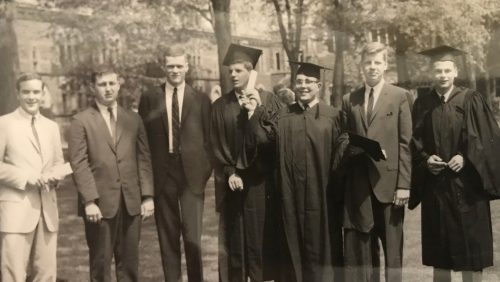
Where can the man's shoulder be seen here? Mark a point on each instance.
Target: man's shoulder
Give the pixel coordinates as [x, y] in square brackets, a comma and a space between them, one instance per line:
[395, 90]
[7, 119]
[224, 99]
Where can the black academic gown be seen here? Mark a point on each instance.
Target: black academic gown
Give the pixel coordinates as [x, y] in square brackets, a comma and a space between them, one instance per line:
[456, 220]
[305, 141]
[246, 218]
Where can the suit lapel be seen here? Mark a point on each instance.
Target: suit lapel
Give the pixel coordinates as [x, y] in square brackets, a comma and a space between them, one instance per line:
[163, 107]
[378, 104]
[186, 103]
[101, 125]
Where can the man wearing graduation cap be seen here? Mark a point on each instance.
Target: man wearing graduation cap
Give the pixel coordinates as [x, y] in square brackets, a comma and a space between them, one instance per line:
[376, 189]
[456, 172]
[244, 180]
[305, 136]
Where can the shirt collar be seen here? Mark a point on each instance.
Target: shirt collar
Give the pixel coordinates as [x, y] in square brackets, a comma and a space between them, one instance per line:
[104, 109]
[310, 104]
[169, 88]
[377, 88]
[447, 94]
[27, 115]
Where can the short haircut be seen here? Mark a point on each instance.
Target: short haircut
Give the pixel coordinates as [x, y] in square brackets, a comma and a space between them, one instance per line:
[25, 76]
[374, 48]
[174, 51]
[248, 65]
[100, 70]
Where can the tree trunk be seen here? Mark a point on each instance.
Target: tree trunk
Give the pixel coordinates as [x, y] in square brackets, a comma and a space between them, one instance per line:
[10, 61]
[222, 30]
[338, 70]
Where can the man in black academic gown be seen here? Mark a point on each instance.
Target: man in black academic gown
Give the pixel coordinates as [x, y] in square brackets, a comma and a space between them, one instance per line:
[244, 187]
[305, 133]
[456, 170]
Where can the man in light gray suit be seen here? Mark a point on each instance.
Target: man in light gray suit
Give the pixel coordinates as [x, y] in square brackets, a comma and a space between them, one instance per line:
[30, 149]
[376, 190]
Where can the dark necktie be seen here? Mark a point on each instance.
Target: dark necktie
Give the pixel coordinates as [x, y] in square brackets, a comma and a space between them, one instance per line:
[176, 124]
[306, 107]
[369, 109]
[35, 133]
[443, 100]
[112, 123]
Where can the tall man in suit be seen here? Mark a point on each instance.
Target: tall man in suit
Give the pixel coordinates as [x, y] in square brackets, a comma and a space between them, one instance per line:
[110, 157]
[376, 191]
[30, 146]
[177, 122]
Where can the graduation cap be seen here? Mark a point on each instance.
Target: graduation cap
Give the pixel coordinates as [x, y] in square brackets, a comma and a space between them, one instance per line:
[370, 146]
[237, 53]
[309, 69]
[442, 53]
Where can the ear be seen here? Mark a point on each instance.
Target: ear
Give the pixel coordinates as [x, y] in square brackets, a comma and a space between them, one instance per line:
[320, 84]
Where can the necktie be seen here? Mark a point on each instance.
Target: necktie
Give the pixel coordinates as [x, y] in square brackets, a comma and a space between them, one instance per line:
[443, 100]
[35, 133]
[112, 123]
[176, 124]
[369, 109]
[306, 107]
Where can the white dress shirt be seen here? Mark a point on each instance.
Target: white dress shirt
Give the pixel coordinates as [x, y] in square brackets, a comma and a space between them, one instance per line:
[376, 93]
[105, 114]
[169, 91]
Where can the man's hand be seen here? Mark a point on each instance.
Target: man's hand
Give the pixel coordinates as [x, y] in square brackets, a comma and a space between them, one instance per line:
[235, 182]
[456, 163]
[435, 164]
[35, 181]
[147, 208]
[92, 213]
[401, 197]
[251, 100]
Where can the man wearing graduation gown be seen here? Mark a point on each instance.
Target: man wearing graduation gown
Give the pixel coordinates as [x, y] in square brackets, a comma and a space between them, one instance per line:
[306, 132]
[243, 189]
[376, 190]
[455, 141]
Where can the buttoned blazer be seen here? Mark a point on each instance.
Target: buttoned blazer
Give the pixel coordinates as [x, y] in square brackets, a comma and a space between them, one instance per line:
[20, 157]
[194, 139]
[104, 170]
[391, 126]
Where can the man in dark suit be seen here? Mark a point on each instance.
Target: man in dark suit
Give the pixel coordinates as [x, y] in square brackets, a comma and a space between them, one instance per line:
[177, 122]
[110, 157]
[376, 191]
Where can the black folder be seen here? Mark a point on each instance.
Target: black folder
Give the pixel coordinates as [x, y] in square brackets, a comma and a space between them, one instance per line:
[370, 146]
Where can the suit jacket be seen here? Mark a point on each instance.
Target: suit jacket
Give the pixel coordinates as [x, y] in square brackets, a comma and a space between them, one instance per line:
[102, 171]
[391, 126]
[19, 157]
[194, 139]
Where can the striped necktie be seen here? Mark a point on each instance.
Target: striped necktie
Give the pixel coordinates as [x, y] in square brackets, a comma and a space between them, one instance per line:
[369, 108]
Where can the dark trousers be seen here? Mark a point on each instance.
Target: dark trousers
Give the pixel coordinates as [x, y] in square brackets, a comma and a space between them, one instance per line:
[362, 250]
[179, 211]
[118, 236]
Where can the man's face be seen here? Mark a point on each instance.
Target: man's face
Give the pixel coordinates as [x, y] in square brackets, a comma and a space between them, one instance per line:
[30, 95]
[306, 88]
[444, 74]
[176, 68]
[107, 87]
[374, 66]
[239, 75]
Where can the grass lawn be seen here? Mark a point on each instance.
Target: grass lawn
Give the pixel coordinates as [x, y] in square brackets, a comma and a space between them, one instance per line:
[73, 254]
